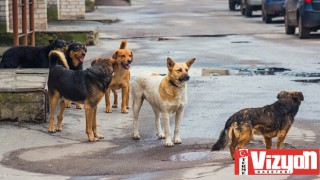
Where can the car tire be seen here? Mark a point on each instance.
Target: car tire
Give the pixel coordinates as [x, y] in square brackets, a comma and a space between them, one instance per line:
[263, 14]
[248, 12]
[289, 29]
[304, 32]
[242, 9]
[232, 5]
[268, 18]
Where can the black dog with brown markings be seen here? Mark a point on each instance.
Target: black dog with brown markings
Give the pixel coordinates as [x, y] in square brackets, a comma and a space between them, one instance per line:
[82, 86]
[31, 56]
[269, 121]
[75, 54]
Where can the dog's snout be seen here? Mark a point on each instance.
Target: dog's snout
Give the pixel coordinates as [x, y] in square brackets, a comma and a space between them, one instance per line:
[187, 77]
[130, 61]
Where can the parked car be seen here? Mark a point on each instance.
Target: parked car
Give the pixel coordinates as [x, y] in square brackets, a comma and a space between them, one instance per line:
[271, 9]
[304, 14]
[247, 6]
[233, 4]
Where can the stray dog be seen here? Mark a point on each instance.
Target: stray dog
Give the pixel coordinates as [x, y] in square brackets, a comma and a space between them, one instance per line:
[31, 56]
[269, 121]
[120, 79]
[75, 54]
[166, 95]
[82, 86]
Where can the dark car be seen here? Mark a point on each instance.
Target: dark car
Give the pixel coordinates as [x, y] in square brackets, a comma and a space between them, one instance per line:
[233, 4]
[304, 14]
[271, 9]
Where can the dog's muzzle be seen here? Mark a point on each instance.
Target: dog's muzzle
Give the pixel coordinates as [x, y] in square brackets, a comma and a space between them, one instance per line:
[127, 65]
[184, 78]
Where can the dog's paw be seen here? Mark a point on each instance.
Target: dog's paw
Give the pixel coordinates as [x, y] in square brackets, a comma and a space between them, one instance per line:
[124, 111]
[99, 136]
[177, 141]
[128, 107]
[161, 136]
[108, 111]
[115, 106]
[136, 136]
[169, 144]
[59, 129]
[78, 106]
[68, 104]
[52, 129]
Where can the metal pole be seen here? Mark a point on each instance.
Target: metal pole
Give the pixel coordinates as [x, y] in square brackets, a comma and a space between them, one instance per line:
[24, 23]
[31, 16]
[15, 22]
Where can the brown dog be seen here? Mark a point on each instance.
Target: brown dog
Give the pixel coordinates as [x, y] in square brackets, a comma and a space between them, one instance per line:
[83, 86]
[120, 79]
[269, 121]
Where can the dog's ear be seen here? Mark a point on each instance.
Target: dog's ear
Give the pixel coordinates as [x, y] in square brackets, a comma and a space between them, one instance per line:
[123, 44]
[190, 62]
[298, 96]
[170, 63]
[282, 94]
[94, 61]
[131, 56]
[115, 55]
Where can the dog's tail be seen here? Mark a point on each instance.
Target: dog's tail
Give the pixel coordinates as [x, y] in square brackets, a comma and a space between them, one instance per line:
[223, 138]
[123, 44]
[57, 56]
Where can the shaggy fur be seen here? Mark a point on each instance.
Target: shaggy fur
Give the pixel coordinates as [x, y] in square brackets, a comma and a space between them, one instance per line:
[82, 86]
[269, 121]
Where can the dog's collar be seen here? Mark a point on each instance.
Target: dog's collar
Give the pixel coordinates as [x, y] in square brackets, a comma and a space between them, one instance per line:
[173, 84]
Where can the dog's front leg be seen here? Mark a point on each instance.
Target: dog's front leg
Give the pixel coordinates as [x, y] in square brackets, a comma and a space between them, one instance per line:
[53, 99]
[160, 133]
[107, 99]
[178, 118]
[125, 92]
[94, 125]
[166, 125]
[60, 115]
[89, 119]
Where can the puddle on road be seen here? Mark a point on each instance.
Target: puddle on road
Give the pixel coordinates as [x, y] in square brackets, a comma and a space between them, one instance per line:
[245, 71]
[201, 156]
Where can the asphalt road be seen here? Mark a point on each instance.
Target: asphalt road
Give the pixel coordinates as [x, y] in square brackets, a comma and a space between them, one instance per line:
[219, 39]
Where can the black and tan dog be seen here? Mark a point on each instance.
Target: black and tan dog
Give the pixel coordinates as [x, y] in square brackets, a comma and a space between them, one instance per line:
[75, 54]
[82, 86]
[31, 56]
[120, 79]
[269, 121]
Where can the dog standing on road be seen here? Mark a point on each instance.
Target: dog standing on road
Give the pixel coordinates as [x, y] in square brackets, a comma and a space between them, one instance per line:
[166, 95]
[82, 86]
[269, 121]
[75, 54]
[120, 79]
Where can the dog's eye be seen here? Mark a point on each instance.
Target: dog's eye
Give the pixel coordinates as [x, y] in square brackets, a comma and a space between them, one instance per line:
[187, 70]
[123, 56]
[179, 70]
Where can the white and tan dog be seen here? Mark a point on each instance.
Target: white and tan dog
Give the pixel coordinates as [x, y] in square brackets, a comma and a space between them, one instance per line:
[166, 95]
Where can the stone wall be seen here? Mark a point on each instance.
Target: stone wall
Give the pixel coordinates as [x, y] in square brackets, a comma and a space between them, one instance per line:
[71, 9]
